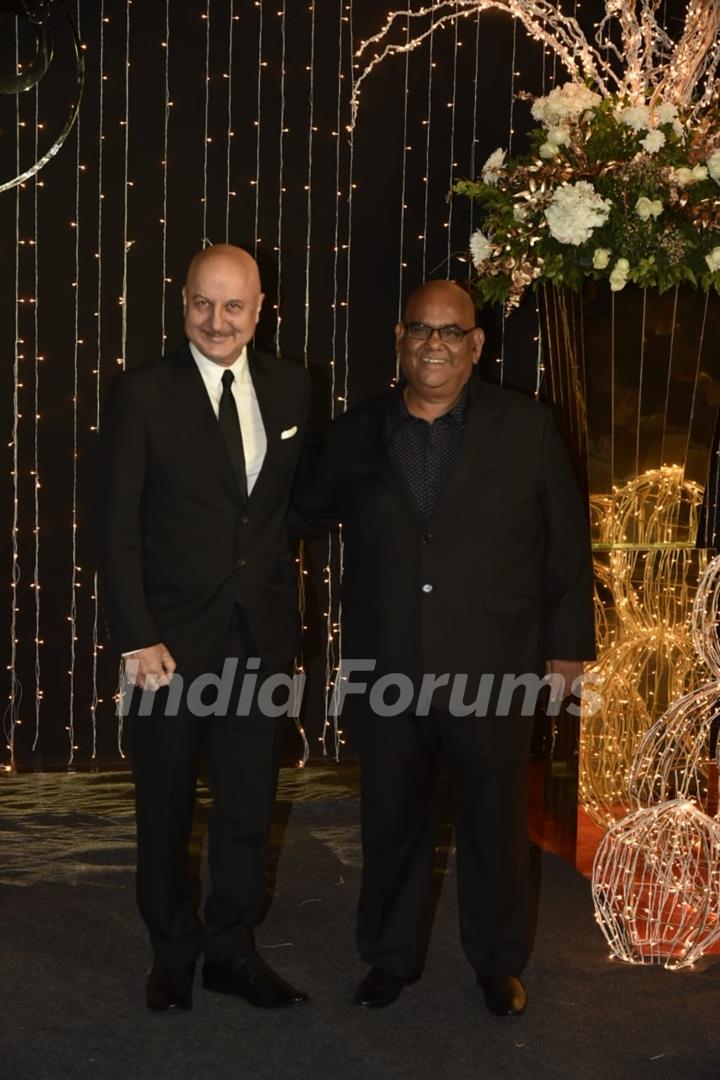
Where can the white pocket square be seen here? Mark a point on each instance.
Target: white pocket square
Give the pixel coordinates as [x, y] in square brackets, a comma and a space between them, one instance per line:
[288, 433]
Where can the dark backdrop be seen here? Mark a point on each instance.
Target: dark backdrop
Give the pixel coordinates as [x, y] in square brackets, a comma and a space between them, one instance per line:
[204, 120]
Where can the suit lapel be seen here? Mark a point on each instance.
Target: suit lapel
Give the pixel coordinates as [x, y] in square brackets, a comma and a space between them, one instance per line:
[199, 420]
[476, 452]
[268, 391]
[389, 471]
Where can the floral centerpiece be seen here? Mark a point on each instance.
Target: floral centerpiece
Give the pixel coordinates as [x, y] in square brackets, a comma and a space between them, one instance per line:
[623, 176]
[610, 189]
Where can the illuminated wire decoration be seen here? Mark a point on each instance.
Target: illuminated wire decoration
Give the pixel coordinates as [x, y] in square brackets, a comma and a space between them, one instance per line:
[651, 63]
[656, 885]
[645, 587]
[37, 14]
[656, 875]
[676, 759]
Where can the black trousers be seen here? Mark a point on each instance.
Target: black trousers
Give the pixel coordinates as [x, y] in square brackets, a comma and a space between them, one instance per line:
[242, 757]
[401, 764]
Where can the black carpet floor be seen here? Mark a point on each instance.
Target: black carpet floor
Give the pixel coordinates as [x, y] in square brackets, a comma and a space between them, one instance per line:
[73, 956]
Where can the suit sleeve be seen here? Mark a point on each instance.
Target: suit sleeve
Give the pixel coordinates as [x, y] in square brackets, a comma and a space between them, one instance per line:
[122, 464]
[569, 611]
[313, 511]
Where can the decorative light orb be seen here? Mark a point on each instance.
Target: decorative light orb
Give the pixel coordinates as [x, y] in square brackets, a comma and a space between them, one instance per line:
[675, 759]
[656, 885]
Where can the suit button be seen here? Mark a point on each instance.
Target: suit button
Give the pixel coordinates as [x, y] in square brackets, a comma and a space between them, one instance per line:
[241, 562]
[427, 538]
[427, 588]
[243, 520]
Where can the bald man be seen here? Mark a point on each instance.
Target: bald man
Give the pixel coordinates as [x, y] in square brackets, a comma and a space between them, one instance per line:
[197, 459]
[466, 559]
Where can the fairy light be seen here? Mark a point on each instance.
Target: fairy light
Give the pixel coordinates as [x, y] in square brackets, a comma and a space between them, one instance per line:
[541, 19]
[36, 428]
[428, 136]
[206, 138]
[281, 172]
[656, 885]
[10, 716]
[74, 584]
[674, 758]
[452, 106]
[473, 148]
[335, 546]
[95, 631]
[302, 573]
[165, 166]
[258, 122]
[308, 203]
[231, 28]
[403, 192]
[126, 188]
[646, 658]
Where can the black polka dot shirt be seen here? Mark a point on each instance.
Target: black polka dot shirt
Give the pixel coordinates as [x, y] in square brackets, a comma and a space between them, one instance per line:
[423, 451]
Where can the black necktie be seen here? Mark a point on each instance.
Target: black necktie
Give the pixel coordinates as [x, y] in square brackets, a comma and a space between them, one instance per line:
[230, 427]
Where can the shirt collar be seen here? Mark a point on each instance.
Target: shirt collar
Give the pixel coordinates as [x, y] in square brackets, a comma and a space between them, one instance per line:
[213, 372]
[456, 414]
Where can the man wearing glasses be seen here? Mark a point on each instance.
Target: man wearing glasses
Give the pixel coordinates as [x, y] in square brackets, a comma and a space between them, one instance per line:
[466, 559]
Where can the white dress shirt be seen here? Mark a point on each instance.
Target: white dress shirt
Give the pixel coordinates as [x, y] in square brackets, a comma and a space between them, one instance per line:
[251, 423]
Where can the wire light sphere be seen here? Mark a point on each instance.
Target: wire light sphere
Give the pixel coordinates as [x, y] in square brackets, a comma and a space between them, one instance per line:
[656, 885]
[676, 758]
[645, 584]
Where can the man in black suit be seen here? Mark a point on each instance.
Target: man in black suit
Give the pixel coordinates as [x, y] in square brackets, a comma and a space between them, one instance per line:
[467, 558]
[198, 455]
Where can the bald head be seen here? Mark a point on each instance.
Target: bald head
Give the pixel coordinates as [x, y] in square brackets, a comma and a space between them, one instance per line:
[225, 257]
[441, 292]
[222, 299]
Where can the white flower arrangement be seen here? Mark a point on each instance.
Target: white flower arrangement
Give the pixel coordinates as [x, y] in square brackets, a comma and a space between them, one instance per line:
[625, 191]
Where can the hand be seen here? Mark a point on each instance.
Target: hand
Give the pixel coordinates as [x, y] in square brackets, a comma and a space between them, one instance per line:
[569, 671]
[150, 668]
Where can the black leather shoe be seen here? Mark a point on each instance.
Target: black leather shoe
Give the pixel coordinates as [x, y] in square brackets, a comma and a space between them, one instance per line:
[379, 988]
[170, 986]
[504, 994]
[250, 978]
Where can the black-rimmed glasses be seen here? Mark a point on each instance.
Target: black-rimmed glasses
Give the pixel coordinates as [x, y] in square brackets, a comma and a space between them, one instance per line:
[452, 334]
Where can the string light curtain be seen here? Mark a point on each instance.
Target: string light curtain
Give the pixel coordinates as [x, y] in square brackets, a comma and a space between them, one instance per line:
[203, 121]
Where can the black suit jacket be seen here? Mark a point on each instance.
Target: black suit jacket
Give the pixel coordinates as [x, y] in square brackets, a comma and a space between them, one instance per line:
[178, 542]
[498, 580]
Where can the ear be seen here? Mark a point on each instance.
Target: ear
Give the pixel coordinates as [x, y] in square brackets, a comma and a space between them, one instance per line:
[399, 332]
[184, 299]
[478, 340]
[259, 307]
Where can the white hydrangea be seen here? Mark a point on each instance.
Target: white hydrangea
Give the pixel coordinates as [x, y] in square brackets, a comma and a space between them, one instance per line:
[566, 102]
[713, 165]
[665, 113]
[575, 211]
[700, 172]
[636, 117]
[653, 141]
[480, 248]
[493, 165]
[548, 150]
[558, 136]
